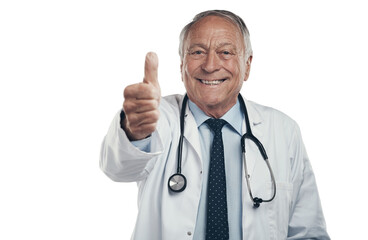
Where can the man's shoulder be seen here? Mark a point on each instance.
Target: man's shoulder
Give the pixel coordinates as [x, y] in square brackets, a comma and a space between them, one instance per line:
[170, 105]
[172, 101]
[267, 113]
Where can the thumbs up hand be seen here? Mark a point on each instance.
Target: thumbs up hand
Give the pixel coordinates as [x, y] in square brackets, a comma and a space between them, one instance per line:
[142, 101]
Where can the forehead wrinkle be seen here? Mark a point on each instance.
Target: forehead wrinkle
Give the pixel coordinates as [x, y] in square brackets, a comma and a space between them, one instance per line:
[217, 42]
[201, 45]
[218, 36]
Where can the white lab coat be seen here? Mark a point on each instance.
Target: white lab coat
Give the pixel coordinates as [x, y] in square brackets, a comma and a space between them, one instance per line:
[295, 213]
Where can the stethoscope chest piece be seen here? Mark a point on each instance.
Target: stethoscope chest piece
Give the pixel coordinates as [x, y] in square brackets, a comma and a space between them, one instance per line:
[177, 182]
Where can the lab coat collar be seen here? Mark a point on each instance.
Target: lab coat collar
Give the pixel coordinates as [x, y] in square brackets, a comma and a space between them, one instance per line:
[255, 119]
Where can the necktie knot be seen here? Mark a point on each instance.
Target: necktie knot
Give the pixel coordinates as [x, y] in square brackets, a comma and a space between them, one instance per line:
[215, 124]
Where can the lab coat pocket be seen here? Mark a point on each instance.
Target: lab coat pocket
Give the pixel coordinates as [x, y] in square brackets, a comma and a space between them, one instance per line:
[279, 209]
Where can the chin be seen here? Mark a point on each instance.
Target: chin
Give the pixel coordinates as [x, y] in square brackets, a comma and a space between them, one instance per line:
[210, 101]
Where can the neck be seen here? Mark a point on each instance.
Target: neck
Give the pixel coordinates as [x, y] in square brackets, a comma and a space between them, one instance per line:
[216, 111]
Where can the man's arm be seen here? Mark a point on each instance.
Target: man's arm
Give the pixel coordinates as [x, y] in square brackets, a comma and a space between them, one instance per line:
[306, 217]
[123, 161]
[119, 158]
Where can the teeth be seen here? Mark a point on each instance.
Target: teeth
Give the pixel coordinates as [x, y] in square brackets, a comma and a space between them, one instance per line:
[214, 82]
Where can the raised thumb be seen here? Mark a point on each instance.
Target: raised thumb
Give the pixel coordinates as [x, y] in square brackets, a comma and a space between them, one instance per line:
[151, 69]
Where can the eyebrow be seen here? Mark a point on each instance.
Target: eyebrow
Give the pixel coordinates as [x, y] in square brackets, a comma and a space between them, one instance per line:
[205, 47]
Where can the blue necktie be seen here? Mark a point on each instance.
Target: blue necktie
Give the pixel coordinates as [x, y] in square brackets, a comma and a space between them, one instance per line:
[217, 222]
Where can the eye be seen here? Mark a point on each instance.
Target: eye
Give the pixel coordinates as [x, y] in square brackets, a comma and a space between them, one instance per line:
[226, 54]
[197, 52]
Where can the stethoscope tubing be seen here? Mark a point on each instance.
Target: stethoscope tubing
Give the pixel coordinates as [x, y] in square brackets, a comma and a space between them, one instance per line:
[249, 135]
[177, 182]
[181, 139]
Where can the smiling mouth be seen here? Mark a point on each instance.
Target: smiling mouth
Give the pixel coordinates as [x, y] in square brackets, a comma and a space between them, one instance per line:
[211, 82]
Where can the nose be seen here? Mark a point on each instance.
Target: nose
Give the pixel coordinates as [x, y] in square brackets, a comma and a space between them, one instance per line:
[212, 62]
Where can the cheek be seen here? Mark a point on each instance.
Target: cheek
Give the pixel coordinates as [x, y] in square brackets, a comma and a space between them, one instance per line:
[183, 70]
[235, 69]
[184, 73]
[240, 68]
[185, 77]
[190, 67]
[188, 70]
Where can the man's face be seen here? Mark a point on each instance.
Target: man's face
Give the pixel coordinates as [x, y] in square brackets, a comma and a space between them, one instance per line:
[214, 67]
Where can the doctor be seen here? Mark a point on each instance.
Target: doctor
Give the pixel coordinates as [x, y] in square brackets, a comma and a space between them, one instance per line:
[142, 146]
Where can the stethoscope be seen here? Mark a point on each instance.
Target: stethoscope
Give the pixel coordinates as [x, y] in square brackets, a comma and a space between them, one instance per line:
[177, 182]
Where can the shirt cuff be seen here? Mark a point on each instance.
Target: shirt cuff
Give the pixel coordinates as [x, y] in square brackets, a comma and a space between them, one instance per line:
[144, 145]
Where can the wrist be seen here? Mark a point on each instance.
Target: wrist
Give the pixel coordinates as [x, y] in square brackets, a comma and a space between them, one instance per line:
[122, 119]
[123, 126]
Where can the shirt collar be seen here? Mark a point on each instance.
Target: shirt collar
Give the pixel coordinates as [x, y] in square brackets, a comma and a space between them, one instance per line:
[232, 116]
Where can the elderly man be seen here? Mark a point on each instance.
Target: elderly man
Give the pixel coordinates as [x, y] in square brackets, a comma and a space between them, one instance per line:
[187, 154]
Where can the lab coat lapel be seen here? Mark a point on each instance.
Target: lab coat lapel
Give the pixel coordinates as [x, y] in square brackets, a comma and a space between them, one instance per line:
[255, 119]
[256, 125]
[191, 133]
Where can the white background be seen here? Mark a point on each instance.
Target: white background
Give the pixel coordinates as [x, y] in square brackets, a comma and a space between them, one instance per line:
[63, 68]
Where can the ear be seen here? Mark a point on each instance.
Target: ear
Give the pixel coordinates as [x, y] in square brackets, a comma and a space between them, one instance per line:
[181, 69]
[247, 70]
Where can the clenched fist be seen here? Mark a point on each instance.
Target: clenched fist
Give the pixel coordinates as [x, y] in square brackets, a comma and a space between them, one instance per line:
[142, 101]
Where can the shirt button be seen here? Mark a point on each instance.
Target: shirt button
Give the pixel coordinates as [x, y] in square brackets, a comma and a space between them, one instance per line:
[200, 172]
[189, 233]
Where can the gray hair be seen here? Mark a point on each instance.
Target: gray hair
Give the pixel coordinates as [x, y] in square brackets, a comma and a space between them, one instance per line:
[220, 13]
